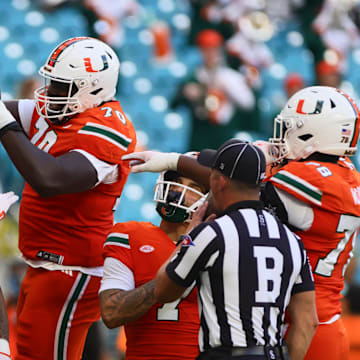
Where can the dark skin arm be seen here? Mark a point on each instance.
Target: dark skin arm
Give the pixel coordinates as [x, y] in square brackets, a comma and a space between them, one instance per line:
[190, 168]
[185, 165]
[4, 326]
[47, 175]
[118, 307]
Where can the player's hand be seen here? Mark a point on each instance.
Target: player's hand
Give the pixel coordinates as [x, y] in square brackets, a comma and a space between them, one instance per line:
[152, 161]
[198, 217]
[5, 116]
[6, 200]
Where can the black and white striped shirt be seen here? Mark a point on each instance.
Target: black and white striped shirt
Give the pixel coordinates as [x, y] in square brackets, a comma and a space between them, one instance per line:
[247, 265]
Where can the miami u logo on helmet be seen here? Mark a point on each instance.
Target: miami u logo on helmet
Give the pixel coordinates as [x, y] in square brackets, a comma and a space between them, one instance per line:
[89, 68]
[318, 107]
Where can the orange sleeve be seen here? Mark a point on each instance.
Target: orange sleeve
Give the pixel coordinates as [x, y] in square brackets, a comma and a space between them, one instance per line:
[302, 180]
[118, 243]
[107, 133]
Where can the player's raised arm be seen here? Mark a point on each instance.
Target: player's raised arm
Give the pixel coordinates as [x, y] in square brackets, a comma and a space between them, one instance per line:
[48, 175]
[155, 161]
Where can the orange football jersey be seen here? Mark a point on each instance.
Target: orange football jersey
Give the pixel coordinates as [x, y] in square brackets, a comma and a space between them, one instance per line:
[73, 227]
[168, 331]
[333, 192]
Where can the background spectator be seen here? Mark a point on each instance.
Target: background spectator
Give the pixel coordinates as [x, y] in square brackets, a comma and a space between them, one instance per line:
[293, 83]
[215, 94]
[328, 74]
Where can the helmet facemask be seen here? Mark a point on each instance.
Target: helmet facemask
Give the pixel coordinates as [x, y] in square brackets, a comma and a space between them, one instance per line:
[279, 149]
[171, 198]
[58, 109]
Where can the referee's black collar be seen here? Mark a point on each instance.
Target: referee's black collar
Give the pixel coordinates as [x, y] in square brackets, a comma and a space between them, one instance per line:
[247, 204]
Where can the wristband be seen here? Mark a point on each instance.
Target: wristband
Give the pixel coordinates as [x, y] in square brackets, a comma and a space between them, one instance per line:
[4, 347]
[12, 126]
[172, 161]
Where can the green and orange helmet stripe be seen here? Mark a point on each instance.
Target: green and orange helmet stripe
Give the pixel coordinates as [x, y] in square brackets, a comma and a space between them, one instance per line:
[56, 53]
[357, 123]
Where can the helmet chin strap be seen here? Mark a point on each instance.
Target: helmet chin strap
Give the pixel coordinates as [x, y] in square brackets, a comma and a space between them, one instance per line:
[170, 212]
[60, 120]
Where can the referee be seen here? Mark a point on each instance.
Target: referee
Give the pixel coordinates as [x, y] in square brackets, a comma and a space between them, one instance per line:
[248, 266]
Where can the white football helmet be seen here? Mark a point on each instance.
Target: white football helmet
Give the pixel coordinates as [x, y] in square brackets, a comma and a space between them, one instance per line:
[316, 119]
[170, 204]
[85, 69]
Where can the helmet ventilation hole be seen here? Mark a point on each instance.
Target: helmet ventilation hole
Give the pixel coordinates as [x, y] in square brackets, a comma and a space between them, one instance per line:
[96, 91]
[305, 137]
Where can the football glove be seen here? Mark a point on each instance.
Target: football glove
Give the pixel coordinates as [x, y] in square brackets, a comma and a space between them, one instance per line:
[152, 161]
[6, 200]
[4, 350]
[4, 356]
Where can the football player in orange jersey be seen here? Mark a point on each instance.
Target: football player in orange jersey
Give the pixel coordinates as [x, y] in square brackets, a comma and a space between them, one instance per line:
[67, 144]
[134, 251]
[316, 190]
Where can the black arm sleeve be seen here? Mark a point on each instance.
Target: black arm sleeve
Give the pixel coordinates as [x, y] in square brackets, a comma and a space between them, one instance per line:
[273, 203]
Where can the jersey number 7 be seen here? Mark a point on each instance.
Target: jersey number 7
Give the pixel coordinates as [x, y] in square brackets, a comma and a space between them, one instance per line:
[170, 311]
[348, 225]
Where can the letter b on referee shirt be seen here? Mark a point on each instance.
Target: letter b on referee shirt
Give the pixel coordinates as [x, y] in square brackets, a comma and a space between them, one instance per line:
[269, 269]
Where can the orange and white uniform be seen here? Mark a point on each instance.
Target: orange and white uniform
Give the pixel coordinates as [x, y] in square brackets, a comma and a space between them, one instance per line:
[134, 251]
[66, 233]
[322, 201]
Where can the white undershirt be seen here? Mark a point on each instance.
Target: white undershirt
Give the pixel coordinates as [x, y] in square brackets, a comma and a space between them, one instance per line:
[116, 276]
[26, 109]
[300, 214]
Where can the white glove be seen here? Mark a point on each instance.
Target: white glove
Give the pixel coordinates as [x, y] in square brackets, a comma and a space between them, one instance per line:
[4, 350]
[4, 357]
[6, 200]
[152, 161]
[5, 116]
[268, 150]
